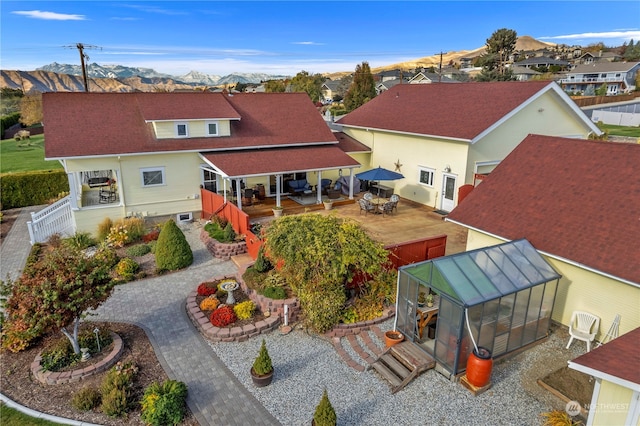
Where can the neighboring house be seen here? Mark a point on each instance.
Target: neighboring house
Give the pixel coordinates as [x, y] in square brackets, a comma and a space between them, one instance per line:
[156, 150]
[543, 62]
[388, 84]
[329, 89]
[578, 203]
[616, 368]
[391, 75]
[430, 77]
[523, 74]
[600, 56]
[441, 135]
[619, 77]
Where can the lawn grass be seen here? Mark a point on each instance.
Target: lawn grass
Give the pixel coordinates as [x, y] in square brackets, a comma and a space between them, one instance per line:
[26, 155]
[12, 417]
[628, 131]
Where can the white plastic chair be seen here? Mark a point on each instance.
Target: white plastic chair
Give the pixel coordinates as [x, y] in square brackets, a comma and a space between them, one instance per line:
[581, 326]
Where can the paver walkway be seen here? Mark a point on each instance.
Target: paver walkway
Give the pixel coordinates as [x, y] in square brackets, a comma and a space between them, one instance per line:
[157, 305]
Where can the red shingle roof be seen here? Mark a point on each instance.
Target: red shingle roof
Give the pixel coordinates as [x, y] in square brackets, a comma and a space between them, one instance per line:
[573, 198]
[619, 358]
[460, 111]
[280, 160]
[349, 144]
[91, 124]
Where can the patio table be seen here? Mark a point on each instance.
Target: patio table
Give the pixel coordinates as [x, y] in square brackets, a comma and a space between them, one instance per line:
[426, 314]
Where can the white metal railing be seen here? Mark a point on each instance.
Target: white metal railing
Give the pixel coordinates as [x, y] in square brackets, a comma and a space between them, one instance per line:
[54, 219]
[592, 80]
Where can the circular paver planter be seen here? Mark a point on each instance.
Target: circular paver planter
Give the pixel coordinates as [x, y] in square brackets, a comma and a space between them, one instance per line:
[56, 378]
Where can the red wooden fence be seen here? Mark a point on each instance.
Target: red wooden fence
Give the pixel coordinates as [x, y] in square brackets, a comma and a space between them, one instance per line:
[213, 203]
[417, 250]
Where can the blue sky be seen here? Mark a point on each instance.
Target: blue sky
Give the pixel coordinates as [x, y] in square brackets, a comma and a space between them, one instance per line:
[175, 37]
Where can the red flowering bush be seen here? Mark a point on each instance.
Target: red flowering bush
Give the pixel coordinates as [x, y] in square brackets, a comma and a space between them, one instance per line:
[223, 316]
[207, 289]
[151, 235]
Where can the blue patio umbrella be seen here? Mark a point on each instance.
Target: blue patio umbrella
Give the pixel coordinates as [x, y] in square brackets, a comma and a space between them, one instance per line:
[378, 174]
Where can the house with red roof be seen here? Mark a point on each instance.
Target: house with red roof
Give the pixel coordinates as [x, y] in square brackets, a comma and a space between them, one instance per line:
[149, 154]
[616, 394]
[443, 136]
[578, 203]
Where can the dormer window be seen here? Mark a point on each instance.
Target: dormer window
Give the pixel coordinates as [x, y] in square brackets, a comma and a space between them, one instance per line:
[182, 130]
[211, 128]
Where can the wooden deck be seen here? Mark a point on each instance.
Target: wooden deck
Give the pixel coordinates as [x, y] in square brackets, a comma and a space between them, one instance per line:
[402, 363]
[410, 222]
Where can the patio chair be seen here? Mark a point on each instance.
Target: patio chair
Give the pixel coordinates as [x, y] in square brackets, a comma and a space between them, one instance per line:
[386, 208]
[581, 326]
[366, 206]
[394, 199]
[368, 196]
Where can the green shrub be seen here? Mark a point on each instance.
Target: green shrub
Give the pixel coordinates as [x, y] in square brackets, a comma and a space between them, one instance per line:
[164, 404]
[244, 310]
[138, 250]
[115, 389]
[86, 399]
[59, 356]
[81, 240]
[127, 268]
[262, 263]
[262, 365]
[173, 251]
[275, 293]
[229, 233]
[325, 415]
[252, 278]
[274, 279]
[215, 231]
[31, 188]
[107, 256]
[152, 246]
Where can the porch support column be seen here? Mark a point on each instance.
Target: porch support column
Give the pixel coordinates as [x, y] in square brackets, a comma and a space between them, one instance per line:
[351, 181]
[278, 189]
[238, 194]
[319, 188]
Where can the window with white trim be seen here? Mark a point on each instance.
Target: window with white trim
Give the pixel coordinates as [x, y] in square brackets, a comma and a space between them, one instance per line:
[211, 128]
[426, 175]
[152, 176]
[182, 130]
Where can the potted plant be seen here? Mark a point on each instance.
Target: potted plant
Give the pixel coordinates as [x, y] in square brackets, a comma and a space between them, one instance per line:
[324, 415]
[328, 204]
[277, 211]
[422, 299]
[262, 369]
[429, 300]
[392, 337]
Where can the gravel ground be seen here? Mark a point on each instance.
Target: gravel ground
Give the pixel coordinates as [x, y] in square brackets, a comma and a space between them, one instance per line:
[306, 364]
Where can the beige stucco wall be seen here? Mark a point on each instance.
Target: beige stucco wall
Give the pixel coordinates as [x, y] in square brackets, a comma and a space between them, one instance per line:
[582, 290]
[544, 116]
[196, 128]
[613, 405]
[412, 152]
[179, 194]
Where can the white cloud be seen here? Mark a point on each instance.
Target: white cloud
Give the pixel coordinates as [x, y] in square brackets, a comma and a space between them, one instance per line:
[49, 16]
[628, 34]
[308, 43]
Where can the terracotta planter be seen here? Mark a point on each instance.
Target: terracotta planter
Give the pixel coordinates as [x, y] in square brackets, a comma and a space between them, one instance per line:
[392, 337]
[479, 365]
[261, 381]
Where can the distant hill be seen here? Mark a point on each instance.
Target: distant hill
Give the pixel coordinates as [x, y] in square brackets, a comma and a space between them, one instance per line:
[119, 78]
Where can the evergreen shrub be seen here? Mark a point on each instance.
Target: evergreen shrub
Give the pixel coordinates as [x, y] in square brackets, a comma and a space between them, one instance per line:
[172, 250]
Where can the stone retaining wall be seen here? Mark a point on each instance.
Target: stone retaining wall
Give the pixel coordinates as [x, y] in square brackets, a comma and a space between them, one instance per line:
[56, 378]
[220, 250]
[342, 330]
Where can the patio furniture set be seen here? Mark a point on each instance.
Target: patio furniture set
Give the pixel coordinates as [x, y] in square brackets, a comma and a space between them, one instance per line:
[379, 205]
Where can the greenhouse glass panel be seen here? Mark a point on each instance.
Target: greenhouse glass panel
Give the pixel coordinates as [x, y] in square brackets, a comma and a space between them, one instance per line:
[464, 290]
[538, 261]
[500, 280]
[478, 280]
[518, 319]
[514, 274]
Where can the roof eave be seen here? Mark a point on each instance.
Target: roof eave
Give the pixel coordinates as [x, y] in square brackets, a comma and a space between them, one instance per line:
[605, 376]
[423, 135]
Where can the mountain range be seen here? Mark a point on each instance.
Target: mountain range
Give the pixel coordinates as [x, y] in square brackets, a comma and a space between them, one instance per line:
[119, 78]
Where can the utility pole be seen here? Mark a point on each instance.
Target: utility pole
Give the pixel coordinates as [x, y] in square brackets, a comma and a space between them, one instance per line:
[84, 56]
[440, 67]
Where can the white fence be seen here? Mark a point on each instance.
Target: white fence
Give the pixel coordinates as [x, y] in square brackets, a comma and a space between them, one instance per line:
[54, 219]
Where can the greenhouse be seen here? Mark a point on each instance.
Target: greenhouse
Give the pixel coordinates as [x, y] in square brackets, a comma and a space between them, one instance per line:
[504, 294]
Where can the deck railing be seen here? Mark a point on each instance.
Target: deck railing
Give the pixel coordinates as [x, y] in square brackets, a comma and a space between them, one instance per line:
[54, 219]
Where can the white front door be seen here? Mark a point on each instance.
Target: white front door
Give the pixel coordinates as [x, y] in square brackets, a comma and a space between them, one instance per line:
[448, 192]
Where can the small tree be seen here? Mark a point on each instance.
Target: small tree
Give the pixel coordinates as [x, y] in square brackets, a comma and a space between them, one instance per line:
[362, 89]
[53, 294]
[262, 364]
[325, 415]
[500, 46]
[172, 249]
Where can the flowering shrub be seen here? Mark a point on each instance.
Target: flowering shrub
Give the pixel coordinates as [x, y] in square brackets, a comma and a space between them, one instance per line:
[223, 316]
[207, 289]
[118, 236]
[209, 304]
[151, 235]
[244, 310]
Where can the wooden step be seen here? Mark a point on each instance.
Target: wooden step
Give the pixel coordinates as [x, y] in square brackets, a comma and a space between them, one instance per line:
[402, 363]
